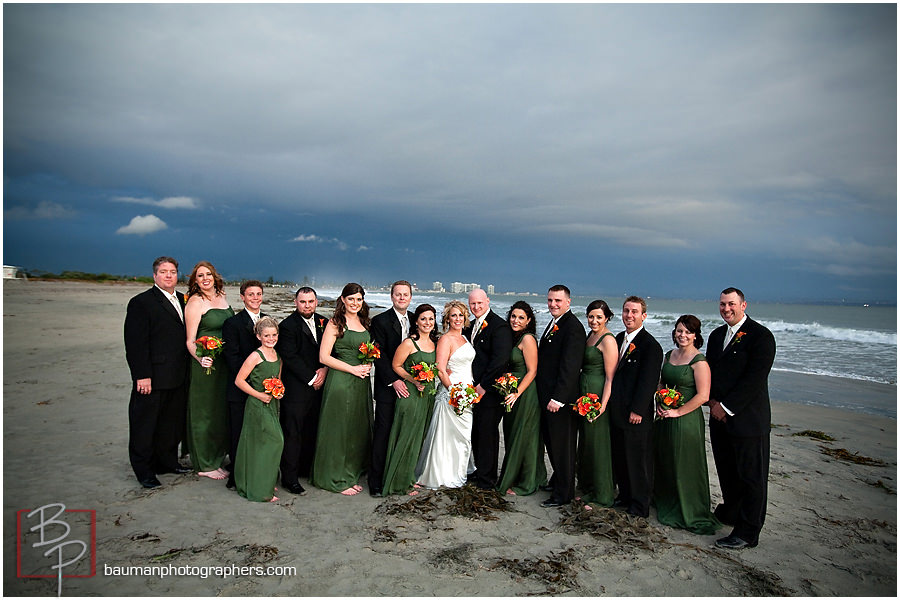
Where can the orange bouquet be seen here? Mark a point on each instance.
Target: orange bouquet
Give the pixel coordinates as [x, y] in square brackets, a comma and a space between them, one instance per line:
[507, 384]
[274, 387]
[211, 346]
[368, 352]
[667, 398]
[462, 396]
[425, 374]
[588, 406]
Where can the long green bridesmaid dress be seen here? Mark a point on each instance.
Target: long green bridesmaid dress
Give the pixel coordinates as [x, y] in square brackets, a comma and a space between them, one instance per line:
[261, 442]
[681, 478]
[594, 470]
[523, 468]
[408, 431]
[344, 441]
[207, 420]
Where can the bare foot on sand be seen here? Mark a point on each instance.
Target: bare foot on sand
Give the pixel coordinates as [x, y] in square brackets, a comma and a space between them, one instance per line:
[217, 474]
[414, 493]
[274, 499]
[358, 488]
[350, 491]
[510, 492]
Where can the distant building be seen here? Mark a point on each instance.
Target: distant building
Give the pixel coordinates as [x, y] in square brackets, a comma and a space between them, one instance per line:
[10, 272]
[463, 288]
[437, 286]
[456, 287]
[490, 289]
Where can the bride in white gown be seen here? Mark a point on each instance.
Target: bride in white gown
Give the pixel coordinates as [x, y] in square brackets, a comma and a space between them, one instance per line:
[446, 457]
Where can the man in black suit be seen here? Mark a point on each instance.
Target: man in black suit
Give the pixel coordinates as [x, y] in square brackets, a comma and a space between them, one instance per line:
[631, 409]
[740, 356]
[388, 330]
[492, 338]
[240, 341]
[299, 338]
[158, 360]
[560, 353]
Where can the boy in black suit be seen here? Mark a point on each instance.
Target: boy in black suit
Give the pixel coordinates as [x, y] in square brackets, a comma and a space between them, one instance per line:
[240, 341]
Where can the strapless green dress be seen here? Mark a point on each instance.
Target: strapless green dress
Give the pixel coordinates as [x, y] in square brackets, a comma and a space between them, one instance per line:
[681, 476]
[344, 441]
[207, 410]
[259, 449]
[411, 416]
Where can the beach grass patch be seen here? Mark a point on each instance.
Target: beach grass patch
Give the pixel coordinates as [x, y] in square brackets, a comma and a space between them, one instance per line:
[620, 527]
[816, 435]
[854, 457]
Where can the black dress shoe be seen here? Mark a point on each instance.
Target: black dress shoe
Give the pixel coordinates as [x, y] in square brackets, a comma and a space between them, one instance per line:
[621, 504]
[552, 503]
[733, 542]
[294, 488]
[546, 487]
[376, 492]
[178, 470]
[150, 482]
[230, 483]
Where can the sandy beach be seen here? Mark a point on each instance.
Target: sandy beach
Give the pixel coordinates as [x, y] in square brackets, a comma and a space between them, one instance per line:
[831, 527]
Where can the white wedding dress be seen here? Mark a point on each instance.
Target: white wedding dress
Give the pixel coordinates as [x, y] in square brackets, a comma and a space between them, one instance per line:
[446, 457]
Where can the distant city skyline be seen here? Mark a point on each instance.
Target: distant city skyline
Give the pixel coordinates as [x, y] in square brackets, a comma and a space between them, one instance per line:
[664, 150]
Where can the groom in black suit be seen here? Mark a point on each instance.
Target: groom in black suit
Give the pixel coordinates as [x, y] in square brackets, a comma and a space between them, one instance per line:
[158, 360]
[560, 354]
[492, 339]
[740, 355]
[240, 341]
[299, 338]
[631, 409]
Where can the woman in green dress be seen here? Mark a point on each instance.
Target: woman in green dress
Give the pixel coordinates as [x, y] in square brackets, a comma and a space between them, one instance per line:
[411, 412]
[343, 444]
[601, 355]
[207, 423]
[681, 486]
[523, 469]
[261, 442]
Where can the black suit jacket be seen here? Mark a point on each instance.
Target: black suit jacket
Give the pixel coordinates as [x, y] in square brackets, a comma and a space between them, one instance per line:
[240, 341]
[299, 353]
[387, 333]
[740, 376]
[493, 345]
[559, 362]
[155, 339]
[635, 381]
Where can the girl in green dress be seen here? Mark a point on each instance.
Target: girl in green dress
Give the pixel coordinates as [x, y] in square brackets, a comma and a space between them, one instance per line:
[412, 411]
[681, 486]
[261, 442]
[523, 468]
[207, 422]
[344, 441]
[601, 355]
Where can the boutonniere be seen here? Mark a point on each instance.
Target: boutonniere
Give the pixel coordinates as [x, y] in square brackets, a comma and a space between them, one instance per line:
[321, 323]
[738, 336]
[631, 348]
[552, 331]
[483, 326]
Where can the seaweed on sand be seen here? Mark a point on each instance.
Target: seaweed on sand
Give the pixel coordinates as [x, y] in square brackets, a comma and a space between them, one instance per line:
[620, 527]
[467, 501]
[855, 457]
[559, 569]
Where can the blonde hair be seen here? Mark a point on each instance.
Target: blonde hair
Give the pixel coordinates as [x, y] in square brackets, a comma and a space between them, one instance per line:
[445, 318]
[265, 323]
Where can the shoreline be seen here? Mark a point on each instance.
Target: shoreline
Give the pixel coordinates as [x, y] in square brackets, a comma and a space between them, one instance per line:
[831, 525]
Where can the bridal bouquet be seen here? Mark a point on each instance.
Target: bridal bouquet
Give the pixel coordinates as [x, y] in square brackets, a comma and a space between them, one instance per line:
[424, 373]
[588, 406]
[462, 396]
[667, 398]
[507, 384]
[211, 346]
[274, 387]
[368, 352]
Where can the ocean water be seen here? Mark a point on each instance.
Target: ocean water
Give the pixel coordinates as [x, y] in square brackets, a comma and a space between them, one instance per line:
[852, 342]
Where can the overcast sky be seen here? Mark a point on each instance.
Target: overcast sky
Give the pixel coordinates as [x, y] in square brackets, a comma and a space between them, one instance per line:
[662, 150]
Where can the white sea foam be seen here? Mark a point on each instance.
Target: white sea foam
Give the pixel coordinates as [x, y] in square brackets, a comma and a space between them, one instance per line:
[843, 334]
